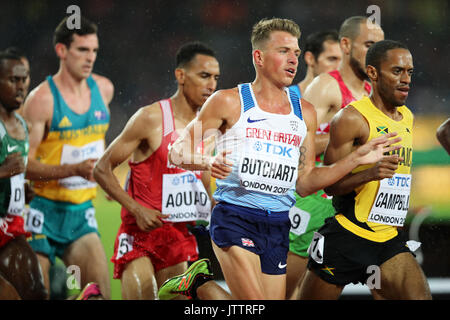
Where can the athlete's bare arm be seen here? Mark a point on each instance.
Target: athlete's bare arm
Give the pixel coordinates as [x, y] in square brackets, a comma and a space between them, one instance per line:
[443, 135]
[12, 165]
[311, 178]
[348, 131]
[219, 113]
[325, 96]
[139, 139]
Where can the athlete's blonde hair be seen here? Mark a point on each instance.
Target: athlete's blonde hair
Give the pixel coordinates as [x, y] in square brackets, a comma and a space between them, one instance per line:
[261, 30]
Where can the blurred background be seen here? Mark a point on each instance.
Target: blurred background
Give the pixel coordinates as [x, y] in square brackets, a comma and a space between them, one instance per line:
[139, 39]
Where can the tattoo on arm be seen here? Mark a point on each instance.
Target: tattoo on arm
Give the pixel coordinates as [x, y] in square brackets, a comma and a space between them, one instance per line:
[302, 158]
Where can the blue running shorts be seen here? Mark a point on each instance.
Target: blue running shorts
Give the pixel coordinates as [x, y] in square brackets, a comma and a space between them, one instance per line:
[265, 233]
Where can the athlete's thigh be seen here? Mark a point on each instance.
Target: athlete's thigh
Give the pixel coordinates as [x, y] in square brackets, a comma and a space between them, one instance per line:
[242, 272]
[403, 278]
[138, 280]
[274, 286]
[314, 288]
[88, 254]
[45, 265]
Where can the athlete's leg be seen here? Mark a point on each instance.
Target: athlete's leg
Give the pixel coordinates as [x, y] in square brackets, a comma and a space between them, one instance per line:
[87, 253]
[314, 288]
[295, 272]
[242, 271]
[138, 280]
[211, 290]
[402, 278]
[20, 266]
[7, 291]
[45, 265]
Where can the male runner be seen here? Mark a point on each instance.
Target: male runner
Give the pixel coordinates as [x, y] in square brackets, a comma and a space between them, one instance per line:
[443, 135]
[149, 250]
[329, 92]
[363, 243]
[69, 117]
[265, 141]
[20, 275]
[322, 54]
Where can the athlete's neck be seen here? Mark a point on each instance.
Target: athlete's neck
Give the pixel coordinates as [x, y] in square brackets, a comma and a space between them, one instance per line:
[353, 82]
[6, 115]
[385, 106]
[307, 80]
[182, 108]
[270, 96]
[68, 83]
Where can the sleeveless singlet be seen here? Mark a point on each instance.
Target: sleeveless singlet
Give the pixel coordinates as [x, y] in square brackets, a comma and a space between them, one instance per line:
[374, 210]
[265, 154]
[73, 138]
[12, 192]
[159, 185]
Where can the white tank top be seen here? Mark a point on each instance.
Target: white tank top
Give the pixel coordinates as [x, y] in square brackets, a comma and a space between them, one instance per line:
[265, 151]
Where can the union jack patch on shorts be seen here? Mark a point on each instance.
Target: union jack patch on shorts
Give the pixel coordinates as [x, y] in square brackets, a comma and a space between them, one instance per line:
[247, 242]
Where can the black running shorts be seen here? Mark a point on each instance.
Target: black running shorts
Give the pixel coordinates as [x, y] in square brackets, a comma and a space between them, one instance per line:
[347, 258]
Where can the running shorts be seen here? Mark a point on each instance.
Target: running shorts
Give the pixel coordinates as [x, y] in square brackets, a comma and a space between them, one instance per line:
[264, 233]
[165, 246]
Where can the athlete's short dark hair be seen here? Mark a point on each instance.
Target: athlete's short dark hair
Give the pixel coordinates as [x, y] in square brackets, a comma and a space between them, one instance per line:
[5, 55]
[16, 51]
[63, 34]
[314, 42]
[378, 51]
[187, 52]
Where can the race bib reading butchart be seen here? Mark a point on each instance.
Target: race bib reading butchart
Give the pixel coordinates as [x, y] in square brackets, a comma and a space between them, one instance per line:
[184, 198]
[392, 201]
[269, 165]
[17, 199]
[72, 155]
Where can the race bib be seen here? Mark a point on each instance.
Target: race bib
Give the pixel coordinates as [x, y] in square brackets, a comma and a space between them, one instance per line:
[299, 220]
[268, 167]
[315, 249]
[72, 155]
[184, 198]
[125, 245]
[34, 221]
[17, 199]
[392, 201]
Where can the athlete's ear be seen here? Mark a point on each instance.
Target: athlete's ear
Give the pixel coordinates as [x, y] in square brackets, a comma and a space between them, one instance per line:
[372, 73]
[258, 57]
[60, 50]
[309, 59]
[179, 75]
[346, 45]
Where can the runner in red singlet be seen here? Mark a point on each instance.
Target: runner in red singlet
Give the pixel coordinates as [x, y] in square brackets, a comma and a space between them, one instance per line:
[159, 200]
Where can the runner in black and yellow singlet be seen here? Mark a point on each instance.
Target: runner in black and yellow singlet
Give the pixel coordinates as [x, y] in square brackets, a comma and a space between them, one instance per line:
[375, 209]
[363, 242]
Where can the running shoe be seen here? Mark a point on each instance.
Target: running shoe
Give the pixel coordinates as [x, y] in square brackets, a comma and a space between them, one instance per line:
[187, 283]
[91, 290]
